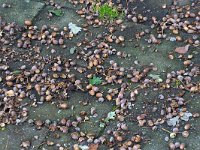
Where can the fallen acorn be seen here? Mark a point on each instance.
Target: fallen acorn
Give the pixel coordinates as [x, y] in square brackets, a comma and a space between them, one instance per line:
[121, 38]
[63, 105]
[185, 134]
[10, 93]
[9, 78]
[182, 146]
[91, 92]
[136, 138]
[28, 22]
[48, 98]
[26, 144]
[187, 62]
[172, 146]
[75, 135]
[187, 126]
[98, 95]
[109, 97]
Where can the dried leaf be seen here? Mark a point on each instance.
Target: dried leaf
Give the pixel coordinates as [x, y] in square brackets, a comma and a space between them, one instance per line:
[111, 115]
[182, 50]
[74, 28]
[173, 121]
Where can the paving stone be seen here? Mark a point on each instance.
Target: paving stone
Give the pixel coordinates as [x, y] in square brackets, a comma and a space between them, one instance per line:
[66, 4]
[20, 10]
[150, 8]
[183, 2]
[69, 15]
[146, 55]
[12, 136]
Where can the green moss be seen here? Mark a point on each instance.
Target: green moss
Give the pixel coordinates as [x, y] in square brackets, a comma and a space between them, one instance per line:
[107, 12]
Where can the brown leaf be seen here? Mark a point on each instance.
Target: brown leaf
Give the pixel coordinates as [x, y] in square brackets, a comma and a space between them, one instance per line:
[182, 50]
[93, 147]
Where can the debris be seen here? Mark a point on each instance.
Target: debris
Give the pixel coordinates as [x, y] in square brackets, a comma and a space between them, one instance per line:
[156, 77]
[74, 28]
[83, 147]
[182, 50]
[111, 115]
[172, 39]
[186, 116]
[72, 50]
[173, 121]
[10, 93]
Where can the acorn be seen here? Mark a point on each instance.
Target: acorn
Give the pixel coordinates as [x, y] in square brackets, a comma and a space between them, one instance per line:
[26, 144]
[28, 22]
[63, 105]
[91, 92]
[187, 126]
[98, 95]
[88, 87]
[175, 31]
[109, 97]
[172, 146]
[136, 139]
[10, 93]
[182, 146]
[134, 19]
[187, 62]
[119, 138]
[48, 98]
[121, 38]
[9, 78]
[185, 134]
[119, 21]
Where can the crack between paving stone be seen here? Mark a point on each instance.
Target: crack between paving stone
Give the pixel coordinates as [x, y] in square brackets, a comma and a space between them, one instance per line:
[34, 18]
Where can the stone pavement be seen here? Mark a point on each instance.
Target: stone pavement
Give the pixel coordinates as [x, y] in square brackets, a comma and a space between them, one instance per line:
[37, 11]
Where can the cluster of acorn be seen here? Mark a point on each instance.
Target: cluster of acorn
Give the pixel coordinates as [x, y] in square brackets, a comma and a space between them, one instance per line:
[46, 35]
[182, 20]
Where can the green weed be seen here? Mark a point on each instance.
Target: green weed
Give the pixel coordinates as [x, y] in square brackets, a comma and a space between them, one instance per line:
[108, 12]
[95, 80]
